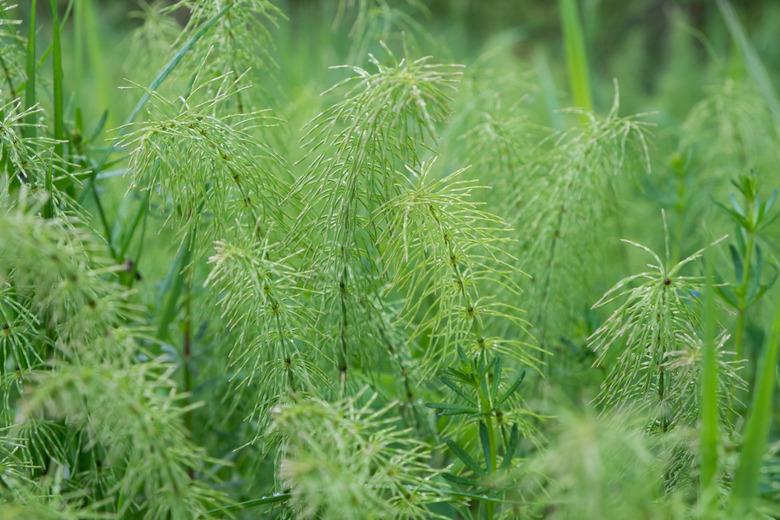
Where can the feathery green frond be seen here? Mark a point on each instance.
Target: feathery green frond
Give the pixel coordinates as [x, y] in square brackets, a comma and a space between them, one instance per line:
[349, 460]
[211, 171]
[266, 303]
[242, 38]
[12, 57]
[559, 197]
[134, 413]
[443, 248]
[600, 466]
[656, 331]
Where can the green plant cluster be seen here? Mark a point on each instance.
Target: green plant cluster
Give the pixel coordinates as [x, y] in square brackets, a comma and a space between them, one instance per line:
[249, 285]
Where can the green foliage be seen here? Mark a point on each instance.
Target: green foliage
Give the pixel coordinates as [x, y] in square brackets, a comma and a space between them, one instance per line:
[349, 459]
[255, 300]
[445, 249]
[601, 467]
[657, 325]
[276, 354]
[566, 188]
[751, 217]
[228, 184]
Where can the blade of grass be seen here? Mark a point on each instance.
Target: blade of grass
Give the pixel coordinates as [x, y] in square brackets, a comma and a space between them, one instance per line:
[173, 286]
[171, 65]
[30, 67]
[57, 79]
[752, 61]
[59, 117]
[78, 51]
[549, 90]
[746, 479]
[708, 434]
[95, 48]
[576, 57]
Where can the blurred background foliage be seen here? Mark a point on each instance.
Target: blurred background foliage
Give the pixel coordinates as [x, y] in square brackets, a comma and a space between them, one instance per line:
[662, 51]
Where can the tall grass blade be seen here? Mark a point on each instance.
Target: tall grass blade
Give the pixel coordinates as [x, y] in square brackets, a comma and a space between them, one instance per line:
[57, 78]
[171, 65]
[752, 61]
[708, 434]
[94, 49]
[576, 57]
[30, 66]
[754, 447]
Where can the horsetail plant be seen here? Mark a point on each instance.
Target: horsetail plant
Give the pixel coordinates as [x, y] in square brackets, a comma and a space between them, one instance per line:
[446, 251]
[217, 310]
[349, 459]
[382, 125]
[566, 189]
[188, 132]
[656, 330]
[264, 300]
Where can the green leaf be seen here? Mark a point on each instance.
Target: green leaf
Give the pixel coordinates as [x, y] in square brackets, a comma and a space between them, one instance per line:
[460, 480]
[496, 381]
[484, 438]
[464, 457]
[451, 409]
[708, 435]
[173, 286]
[735, 215]
[748, 474]
[30, 69]
[736, 261]
[511, 448]
[512, 388]
[101, 124]
[576, 57]
[452, 386]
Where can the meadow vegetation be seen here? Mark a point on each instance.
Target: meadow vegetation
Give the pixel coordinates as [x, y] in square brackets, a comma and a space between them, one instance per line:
[365, 259]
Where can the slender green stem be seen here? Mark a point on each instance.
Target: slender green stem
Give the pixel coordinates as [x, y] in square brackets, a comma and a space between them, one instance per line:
[742, 293]
[186, 349]
[343, 324]
[486, 408]
[661, 355]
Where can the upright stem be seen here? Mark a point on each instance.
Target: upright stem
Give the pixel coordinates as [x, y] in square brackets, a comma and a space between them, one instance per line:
[485, 404]
[187, 337]
[661, 372]
[486, 407]
[30, 69]
[186, 353]
[343, 323]
[742, 294]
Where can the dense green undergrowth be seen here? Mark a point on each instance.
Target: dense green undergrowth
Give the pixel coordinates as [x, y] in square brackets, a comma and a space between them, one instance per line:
[249, 285]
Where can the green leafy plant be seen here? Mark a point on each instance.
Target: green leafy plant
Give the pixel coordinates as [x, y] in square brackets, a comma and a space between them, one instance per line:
[228, 290]
[657, 326]
[751, 216]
